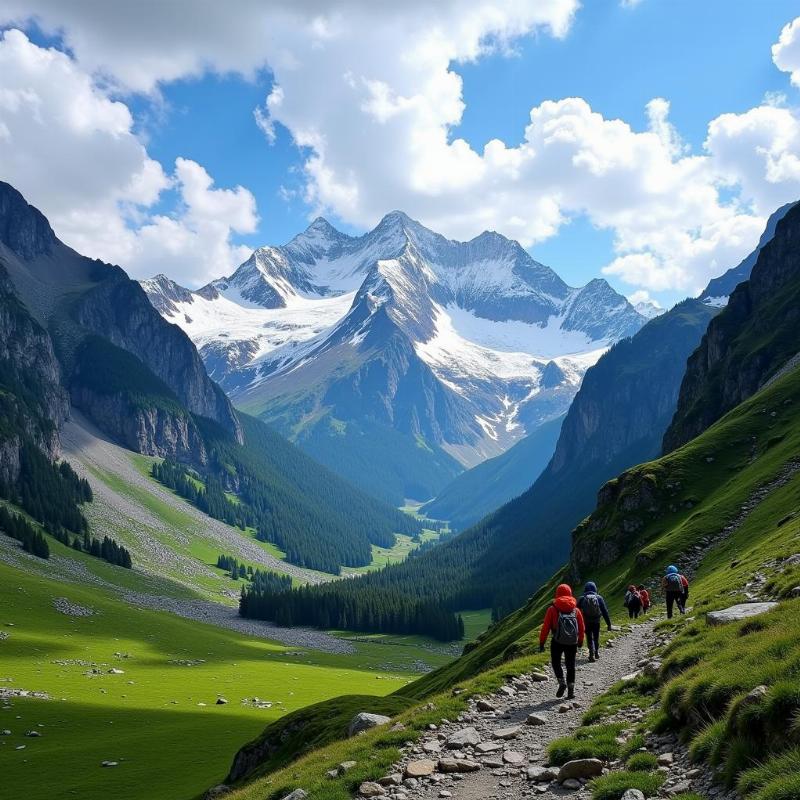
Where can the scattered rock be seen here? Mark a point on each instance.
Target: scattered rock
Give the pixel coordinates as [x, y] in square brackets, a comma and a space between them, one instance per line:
[450, 765]
[679, 788]
[633, 794]
[536, 719]
[563, 708]
[346, 765]
[666, 760]
[485, 705]
[420, 769]
[571, 783]
[115, 671]
[484, 748]
[364, 721]
[221, 701]
[371, 789]
[539, 677]
[514, 758]
[463, 738]
[109, 763]
[580, 768]
[507, 733]
[395, 779]
[297, 794]
[214, 792]
[541, 774]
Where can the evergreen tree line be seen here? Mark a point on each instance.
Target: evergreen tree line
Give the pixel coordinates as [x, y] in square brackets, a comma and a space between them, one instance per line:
[344, 605]
[316, 518]
[51, 493]
[107, 549]
[19, 528]
[232, 565]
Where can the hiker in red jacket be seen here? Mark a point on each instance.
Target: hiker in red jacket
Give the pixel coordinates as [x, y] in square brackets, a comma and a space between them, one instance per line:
[645, 595]
[565, 621]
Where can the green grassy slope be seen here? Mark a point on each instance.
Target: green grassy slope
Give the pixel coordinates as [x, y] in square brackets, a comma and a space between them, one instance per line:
[149, 719]
[716, 473]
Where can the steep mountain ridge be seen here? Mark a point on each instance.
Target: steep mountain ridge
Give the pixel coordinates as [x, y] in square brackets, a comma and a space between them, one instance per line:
[752, 338]
[462, 346]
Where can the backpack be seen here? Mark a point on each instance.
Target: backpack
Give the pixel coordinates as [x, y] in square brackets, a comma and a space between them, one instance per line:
[566, 628]
[591, 606]
[674, 583]
[632, 599]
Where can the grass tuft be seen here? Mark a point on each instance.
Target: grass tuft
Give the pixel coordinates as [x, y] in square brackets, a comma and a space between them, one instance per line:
[642, 762]
[615, 784]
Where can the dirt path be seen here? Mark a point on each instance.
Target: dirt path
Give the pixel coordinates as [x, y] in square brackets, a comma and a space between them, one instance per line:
[497, 779]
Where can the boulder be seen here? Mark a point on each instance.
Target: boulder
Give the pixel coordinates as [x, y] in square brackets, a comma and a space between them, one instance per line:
[371, 789]
[580, 768]
[364, 721]
[420, 768]
[297, 794]
[345, 765]
[738, 612]
[432, 747]
[450, 765]
[536, 719]
[395, 779]
[666, 760]
[541, 774]
[539, 677]
[571, 783]
[484, 748]
[633, 794]
[463, 738]
[485, 705]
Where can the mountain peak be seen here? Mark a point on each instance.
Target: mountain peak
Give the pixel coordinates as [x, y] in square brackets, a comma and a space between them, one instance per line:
[23, 228]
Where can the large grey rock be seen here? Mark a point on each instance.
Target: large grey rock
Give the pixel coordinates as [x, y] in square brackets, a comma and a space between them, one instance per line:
[364, 721]
[738, 612]
[463, 738]
[507, 733]
[536, 719]
[297, 794]
[580, 768]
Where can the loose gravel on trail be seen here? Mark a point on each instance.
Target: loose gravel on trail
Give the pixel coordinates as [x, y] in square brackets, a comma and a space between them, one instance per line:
[505, 760]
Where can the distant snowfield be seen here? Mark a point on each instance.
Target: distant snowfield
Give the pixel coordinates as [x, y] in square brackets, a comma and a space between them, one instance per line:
[233, 319]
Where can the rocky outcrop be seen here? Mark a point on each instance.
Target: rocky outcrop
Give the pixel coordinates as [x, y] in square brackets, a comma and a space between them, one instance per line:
[32, 402]
[118, 310]
[151, 430]
[750, 340]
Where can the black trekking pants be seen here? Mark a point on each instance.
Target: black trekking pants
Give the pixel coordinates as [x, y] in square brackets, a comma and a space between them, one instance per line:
[633, 611]
[593, 634]
[569, 652]
[672, 599]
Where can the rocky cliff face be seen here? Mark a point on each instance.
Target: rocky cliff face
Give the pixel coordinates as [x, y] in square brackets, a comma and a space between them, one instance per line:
[628, 398]
[32, 402]
[76, 297]
[118, 310]
[151, 430]
[750, 340]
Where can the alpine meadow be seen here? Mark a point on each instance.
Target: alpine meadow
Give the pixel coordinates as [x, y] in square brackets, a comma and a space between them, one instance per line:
[400, 400]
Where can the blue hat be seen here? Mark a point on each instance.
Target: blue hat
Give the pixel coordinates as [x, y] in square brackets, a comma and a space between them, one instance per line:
[671, 569]
[590, 588]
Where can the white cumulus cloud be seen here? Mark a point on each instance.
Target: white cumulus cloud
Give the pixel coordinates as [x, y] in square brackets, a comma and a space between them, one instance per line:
[71, 150]
[786, 51]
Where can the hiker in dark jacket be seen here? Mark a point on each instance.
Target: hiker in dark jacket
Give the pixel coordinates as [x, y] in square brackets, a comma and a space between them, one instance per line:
[565, 621]
[676, 590]
[633, 602]
[594, 608]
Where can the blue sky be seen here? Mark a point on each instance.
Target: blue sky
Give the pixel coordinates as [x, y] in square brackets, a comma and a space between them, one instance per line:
[705, 58]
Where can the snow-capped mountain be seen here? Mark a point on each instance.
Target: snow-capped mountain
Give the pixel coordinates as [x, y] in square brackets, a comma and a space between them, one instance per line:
[463, 346]
[649, 309]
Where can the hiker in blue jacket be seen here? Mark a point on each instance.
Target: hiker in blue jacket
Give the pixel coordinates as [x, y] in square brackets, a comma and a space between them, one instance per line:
[593, 608]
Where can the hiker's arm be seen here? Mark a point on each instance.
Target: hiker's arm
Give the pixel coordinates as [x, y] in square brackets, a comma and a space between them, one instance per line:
[546, 626]
[604, 612]
[581, 627]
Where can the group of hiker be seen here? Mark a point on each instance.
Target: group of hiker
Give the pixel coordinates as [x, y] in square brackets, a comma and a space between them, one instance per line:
[571, 621]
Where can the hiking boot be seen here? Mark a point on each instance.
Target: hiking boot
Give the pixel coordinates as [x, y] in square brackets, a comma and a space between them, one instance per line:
[591, 658]
[562, 687]
[571, 692]
[596, 655]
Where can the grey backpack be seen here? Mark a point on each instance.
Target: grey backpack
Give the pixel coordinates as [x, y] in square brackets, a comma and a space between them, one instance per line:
[591, 606]
[566, 628]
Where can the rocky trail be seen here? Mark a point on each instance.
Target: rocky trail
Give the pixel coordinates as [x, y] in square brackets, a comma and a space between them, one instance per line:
[497, 749]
